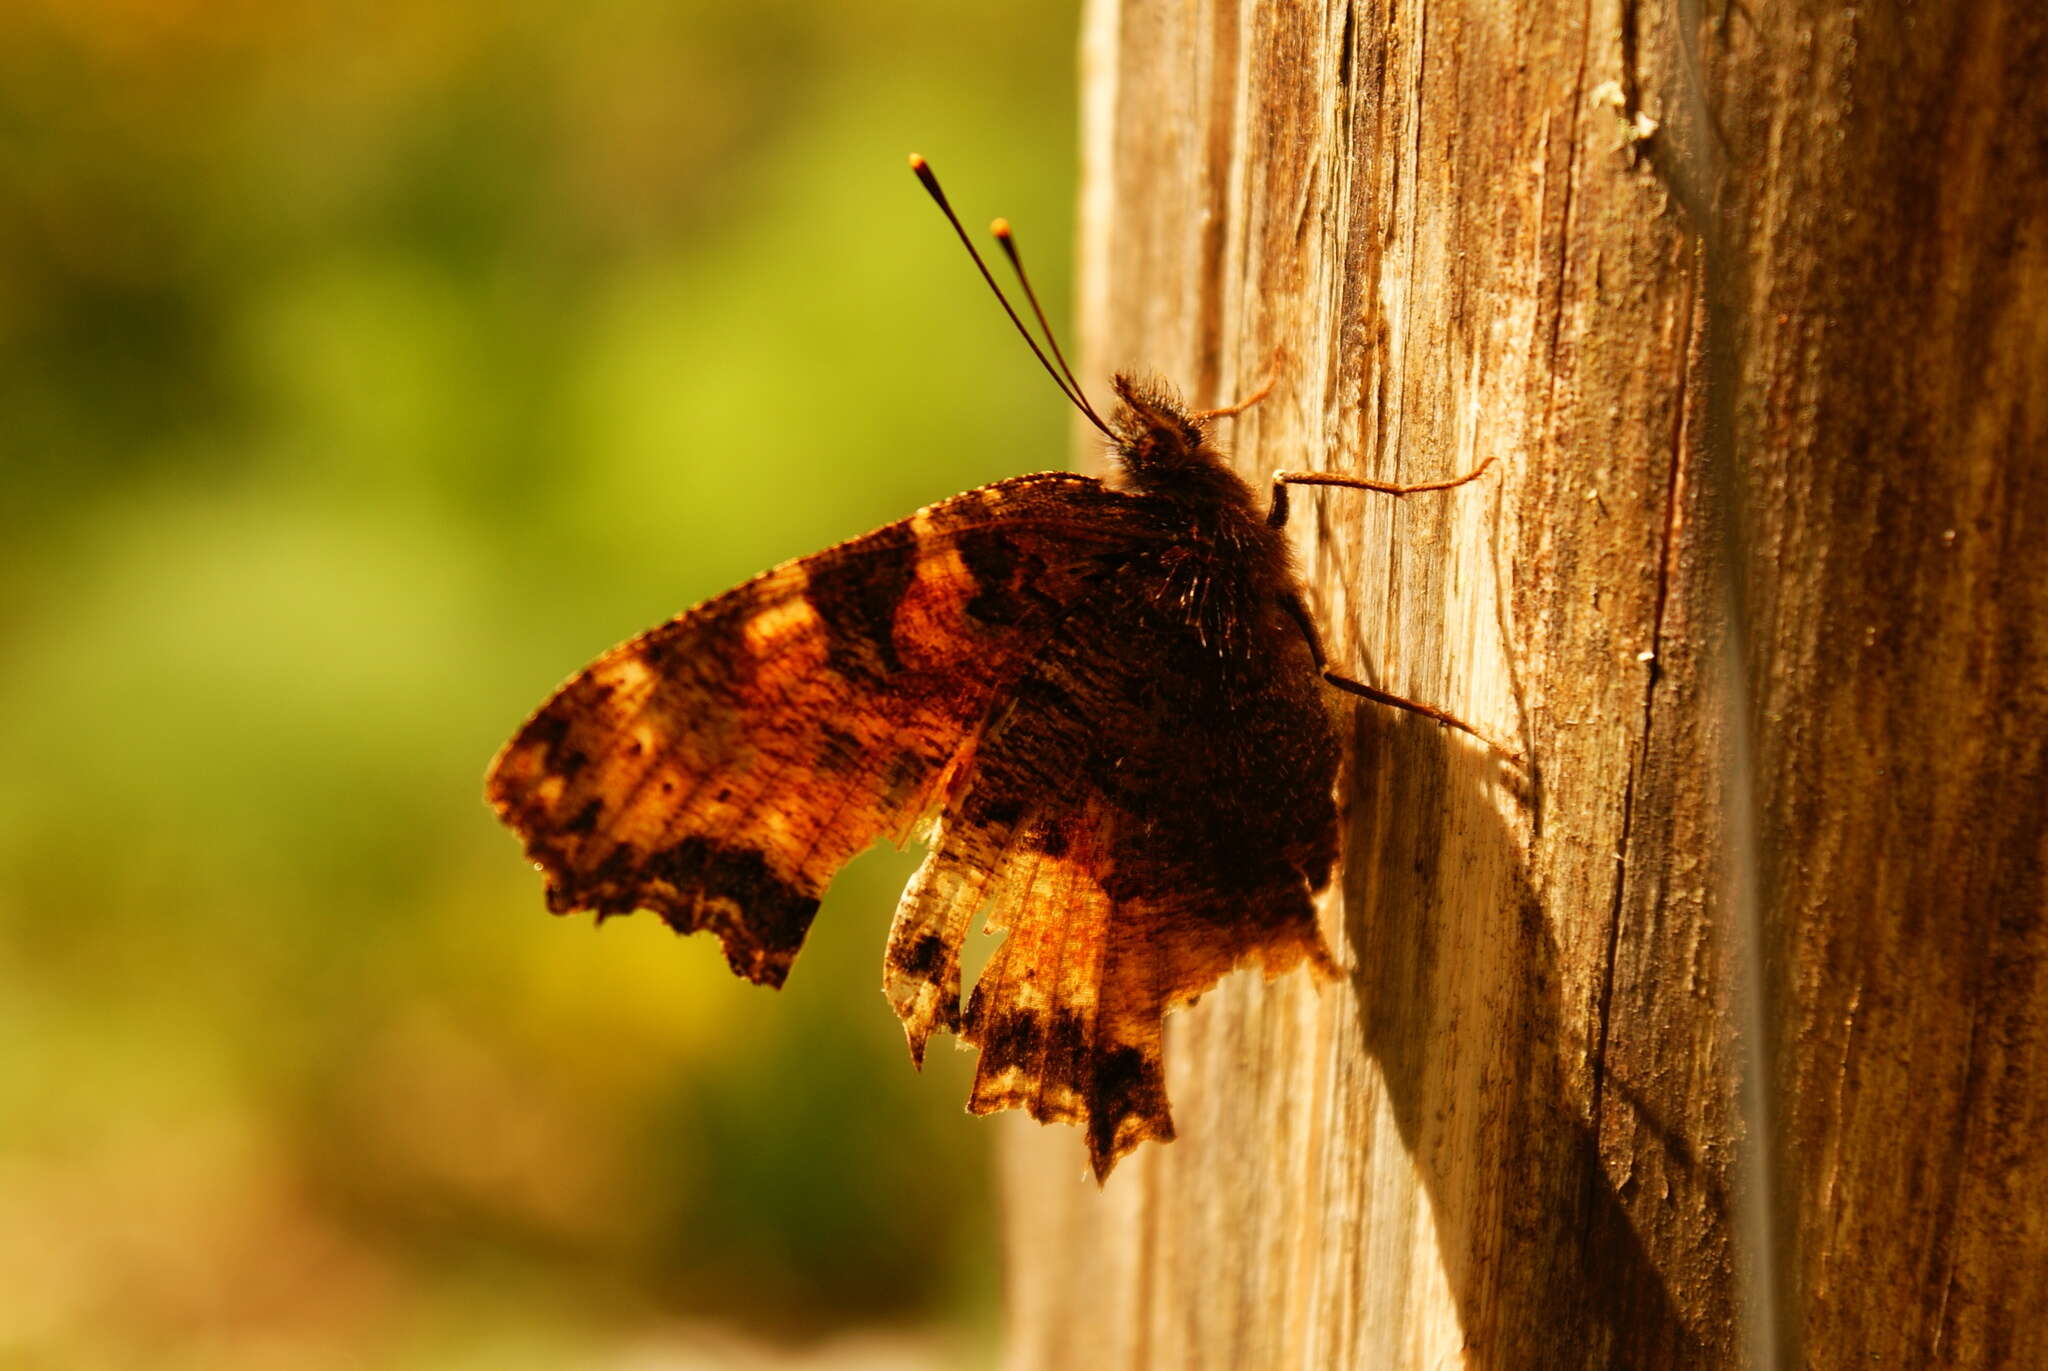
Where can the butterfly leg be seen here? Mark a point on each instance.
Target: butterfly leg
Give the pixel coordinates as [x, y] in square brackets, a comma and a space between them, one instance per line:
[1299, 613]
[1276, 516]
[1241, 406]
[1364, 691]
[1232, 410]
[1276, 513]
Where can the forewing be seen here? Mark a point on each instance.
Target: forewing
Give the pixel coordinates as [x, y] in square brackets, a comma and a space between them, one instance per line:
[721, 768]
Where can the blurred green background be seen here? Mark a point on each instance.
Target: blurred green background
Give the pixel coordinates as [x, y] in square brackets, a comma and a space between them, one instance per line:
[363, 372]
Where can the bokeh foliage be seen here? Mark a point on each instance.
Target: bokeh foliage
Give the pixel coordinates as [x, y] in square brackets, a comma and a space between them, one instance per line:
[365, 370]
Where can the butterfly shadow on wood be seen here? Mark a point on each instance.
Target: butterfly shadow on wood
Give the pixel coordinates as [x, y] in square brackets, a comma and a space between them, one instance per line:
[1538, 1247]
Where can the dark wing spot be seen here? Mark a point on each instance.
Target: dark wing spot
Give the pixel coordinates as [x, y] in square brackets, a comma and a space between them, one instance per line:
[992, 811]
[586, 818]
[775, 913]
[991, 559]
[546, 733]
[922, 957]
[1005, 1040]
[1127, 1085]
[1066, 1050]
[856, 596]
[839, 751]
[607, 884]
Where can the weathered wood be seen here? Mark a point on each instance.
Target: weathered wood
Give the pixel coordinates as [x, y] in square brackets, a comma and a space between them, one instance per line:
[1718, 1039]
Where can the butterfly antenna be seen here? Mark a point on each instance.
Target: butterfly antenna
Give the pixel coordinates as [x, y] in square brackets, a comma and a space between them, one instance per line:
[1072, 392]
[1001, 229]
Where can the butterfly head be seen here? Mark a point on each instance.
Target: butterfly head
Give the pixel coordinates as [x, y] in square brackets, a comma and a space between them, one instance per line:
[1164, 450]
[1156, 439]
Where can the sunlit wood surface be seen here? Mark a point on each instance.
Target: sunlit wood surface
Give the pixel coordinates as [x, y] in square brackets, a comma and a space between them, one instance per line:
[1716, 1037]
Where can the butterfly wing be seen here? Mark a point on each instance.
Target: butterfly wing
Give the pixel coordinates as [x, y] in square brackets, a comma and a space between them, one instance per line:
[1140, 812]
[1144, 819]
[721, 768]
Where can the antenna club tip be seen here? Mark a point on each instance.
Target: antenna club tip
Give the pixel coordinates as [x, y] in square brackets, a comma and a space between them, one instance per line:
[1000, 228]
[918, 164]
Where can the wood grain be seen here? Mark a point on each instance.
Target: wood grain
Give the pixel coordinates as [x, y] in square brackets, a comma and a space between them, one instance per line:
[1718, 1038]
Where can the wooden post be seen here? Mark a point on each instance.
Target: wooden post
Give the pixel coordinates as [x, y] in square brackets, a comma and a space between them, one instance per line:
[1717, 1040]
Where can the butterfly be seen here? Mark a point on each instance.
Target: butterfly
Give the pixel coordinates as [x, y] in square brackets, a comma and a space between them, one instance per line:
[1101, 704]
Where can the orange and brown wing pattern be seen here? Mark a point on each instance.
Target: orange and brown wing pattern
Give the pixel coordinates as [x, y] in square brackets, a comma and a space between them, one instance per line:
[1142, 821]
[1140, 810]
[721, 768]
